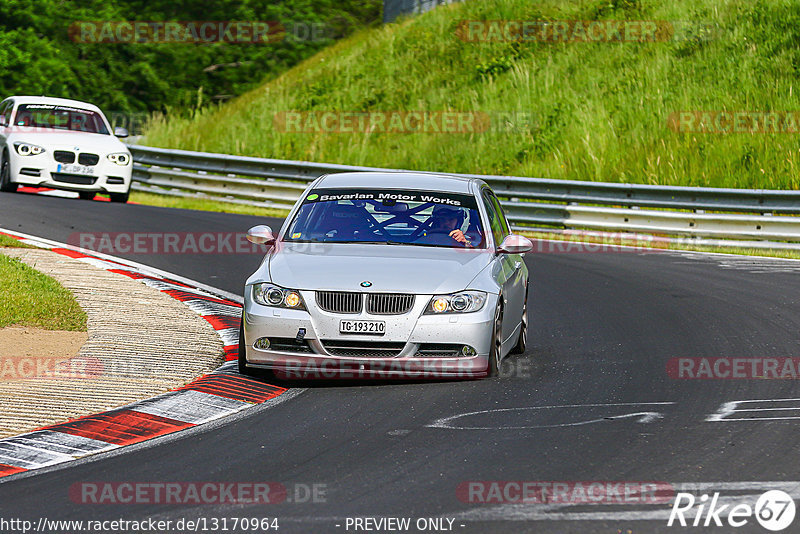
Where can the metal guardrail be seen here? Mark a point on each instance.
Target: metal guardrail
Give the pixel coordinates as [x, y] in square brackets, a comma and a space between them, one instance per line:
[394, 8]
[760, 214]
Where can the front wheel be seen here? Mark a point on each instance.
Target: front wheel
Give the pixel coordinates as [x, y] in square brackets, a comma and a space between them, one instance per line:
[119, 197]
[6, 185]
[495, 351]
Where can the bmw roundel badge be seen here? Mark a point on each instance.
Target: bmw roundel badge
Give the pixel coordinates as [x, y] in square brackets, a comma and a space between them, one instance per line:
[366, 283]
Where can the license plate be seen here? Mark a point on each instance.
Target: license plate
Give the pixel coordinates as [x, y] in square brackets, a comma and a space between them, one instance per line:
[376, 328]
[76, 169]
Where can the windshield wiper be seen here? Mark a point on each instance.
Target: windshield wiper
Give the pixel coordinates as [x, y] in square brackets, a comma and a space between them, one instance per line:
[399, 243]
[388, 242]
[312, 240]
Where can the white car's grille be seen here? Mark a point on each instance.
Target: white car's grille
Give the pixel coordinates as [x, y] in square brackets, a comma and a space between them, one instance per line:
[339, 301]
[81, 179]
[389, 303]
[64, 156]
[84, 158]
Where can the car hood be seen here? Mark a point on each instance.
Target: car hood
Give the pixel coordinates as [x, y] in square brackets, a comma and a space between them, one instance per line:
[389, 268]
[70, 140]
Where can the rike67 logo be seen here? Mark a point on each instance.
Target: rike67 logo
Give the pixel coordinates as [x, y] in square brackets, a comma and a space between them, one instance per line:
[774, 510]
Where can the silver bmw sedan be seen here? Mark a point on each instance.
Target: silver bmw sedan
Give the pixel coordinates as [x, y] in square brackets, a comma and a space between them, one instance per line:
[387, 275]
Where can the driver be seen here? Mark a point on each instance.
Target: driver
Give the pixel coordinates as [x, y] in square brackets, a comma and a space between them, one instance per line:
[447, 219]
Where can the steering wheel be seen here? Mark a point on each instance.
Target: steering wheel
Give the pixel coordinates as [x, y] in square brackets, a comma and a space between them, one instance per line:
[441, 237]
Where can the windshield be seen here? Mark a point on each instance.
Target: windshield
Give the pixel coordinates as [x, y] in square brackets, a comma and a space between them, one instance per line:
[394, 217]
[60, 118]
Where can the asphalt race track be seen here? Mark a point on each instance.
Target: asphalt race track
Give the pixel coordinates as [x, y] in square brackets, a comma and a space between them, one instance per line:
[591, 400]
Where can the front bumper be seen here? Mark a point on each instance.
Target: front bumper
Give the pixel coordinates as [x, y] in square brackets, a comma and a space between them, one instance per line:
[43, 171]
[411, 335]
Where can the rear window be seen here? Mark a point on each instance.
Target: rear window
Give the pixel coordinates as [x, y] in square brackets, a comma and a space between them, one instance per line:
[60, 118]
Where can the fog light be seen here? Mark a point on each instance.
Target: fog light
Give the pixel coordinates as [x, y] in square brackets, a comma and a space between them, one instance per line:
[262, 343]
[468, 351]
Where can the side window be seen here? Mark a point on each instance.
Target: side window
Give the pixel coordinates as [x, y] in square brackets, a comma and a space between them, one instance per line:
[496, 220]
[499, 209]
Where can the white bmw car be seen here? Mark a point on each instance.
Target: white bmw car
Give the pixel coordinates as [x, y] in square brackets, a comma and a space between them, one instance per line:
[62, 144]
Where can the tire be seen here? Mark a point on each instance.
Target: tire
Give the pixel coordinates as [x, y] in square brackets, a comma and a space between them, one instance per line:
[522, 341]
[119, 197]
[86, 195]
[496, 349]
[243, 369]
[6, 185]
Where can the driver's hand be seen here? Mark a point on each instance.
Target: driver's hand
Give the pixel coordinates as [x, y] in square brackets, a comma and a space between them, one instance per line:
[459, 236]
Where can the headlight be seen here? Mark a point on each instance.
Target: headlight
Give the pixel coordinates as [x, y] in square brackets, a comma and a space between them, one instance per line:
[120, 158]
[461, 302]
[27, 149]
[278, 297]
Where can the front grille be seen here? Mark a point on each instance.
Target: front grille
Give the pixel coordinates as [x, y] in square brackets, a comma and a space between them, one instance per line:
[339, 301]
[88, 159]
[80, 179]
[63, 156]
[389, 303]
[439, 350]
[363, 349]
[288, 344]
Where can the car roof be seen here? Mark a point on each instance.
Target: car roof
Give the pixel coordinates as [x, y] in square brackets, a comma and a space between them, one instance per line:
[397, 180]
[54, 101]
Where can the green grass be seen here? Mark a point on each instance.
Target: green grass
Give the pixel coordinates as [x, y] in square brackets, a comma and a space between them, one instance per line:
[600, 110]
[10, 242]
[202, 204]
[32, 299]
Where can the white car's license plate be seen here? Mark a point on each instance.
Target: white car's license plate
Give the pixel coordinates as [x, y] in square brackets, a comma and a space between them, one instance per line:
[76, 169]
[377, 328]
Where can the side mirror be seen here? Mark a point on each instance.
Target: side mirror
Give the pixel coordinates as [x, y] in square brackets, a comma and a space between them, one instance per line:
[515, 244]
[120, 132]
[3, 120]
[260, 235]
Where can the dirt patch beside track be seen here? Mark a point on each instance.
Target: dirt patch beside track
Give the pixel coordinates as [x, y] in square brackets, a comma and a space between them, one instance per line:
[31, 342]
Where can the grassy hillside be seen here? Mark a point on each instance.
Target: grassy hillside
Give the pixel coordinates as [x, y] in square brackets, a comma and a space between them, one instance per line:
[600, 109]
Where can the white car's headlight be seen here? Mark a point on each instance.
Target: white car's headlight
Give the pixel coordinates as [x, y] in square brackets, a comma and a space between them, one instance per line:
[120, 158]
[278, 297]
[27, 149]
[461, 302]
